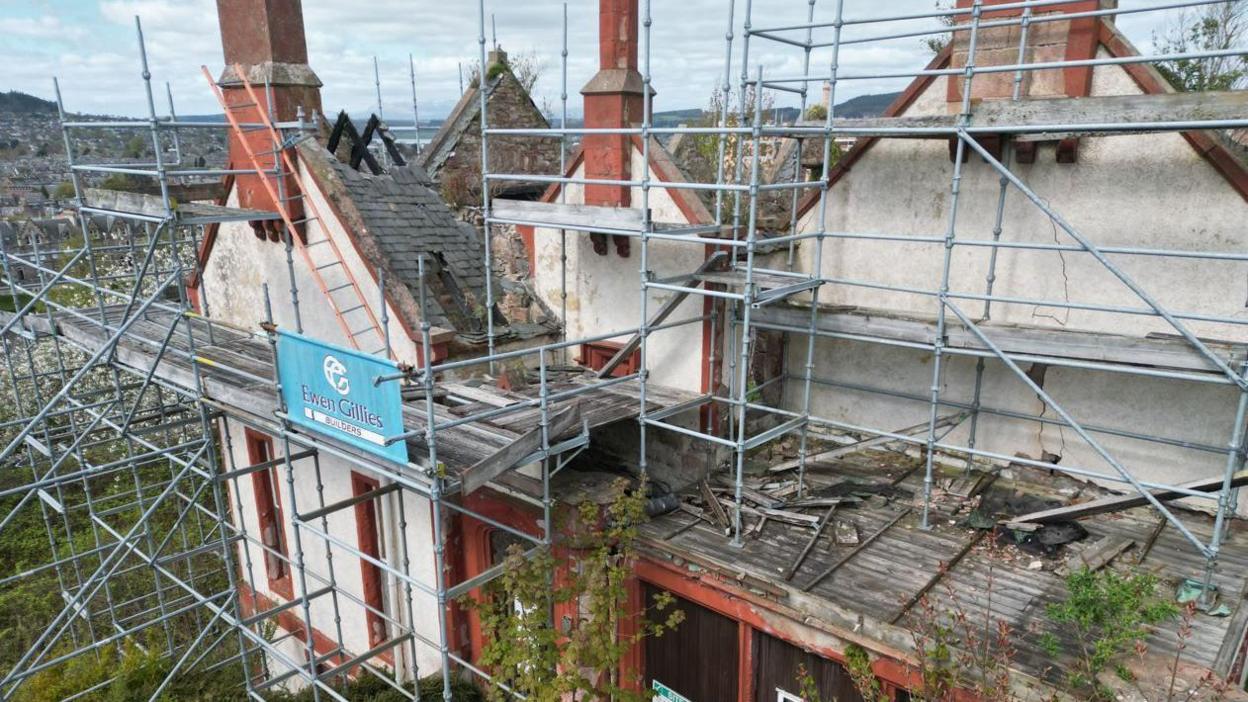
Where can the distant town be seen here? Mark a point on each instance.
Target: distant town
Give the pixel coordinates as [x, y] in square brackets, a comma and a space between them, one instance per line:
[35, 174]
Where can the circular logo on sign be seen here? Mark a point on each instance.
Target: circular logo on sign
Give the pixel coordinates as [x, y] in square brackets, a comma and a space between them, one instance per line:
[336, 374]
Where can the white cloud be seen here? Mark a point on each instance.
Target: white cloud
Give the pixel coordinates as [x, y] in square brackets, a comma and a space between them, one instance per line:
[42, 27]
[687, 57]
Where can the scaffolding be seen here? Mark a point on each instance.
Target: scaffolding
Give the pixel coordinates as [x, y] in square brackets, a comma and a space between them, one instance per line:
[750, 290]
[130, 452]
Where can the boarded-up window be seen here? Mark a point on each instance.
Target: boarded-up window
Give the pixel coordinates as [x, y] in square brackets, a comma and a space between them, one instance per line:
[776, 666]
[269, 513]
[698, 659]
[596, 354]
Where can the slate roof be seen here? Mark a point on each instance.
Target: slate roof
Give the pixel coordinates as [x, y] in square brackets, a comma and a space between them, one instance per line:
[405, 217]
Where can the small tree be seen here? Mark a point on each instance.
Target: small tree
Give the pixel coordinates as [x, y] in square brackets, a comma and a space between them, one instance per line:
[1105, 614]
[816, 113]
[116, 181]
[936, 43]
[526, 67]
[64, 190]
[1216, 27]
[528, 654]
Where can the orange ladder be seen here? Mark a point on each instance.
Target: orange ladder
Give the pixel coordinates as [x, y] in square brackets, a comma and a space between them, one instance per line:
[282, 164]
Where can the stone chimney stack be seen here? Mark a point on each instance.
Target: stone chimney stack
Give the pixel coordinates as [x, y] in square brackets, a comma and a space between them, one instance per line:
[266, 38]
[614, 99]
[1068, 40]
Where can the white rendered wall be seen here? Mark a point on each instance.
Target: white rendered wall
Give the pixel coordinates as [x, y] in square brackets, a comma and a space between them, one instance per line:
[1145, 191]
[603, 291]
[1149, 191]
[347, 572]
[233, 291]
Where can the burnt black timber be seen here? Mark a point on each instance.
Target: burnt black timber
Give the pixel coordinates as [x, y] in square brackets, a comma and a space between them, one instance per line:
[335, 135]
[360, 148]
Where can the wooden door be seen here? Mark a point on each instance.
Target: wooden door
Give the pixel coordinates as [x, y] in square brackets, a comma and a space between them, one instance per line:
[777, 679]
[698, 659]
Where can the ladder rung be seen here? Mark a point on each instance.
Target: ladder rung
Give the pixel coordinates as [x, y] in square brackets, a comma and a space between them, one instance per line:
[328, 265]
[235, 106]
[337, 288]
[349, 311]
[365, 329]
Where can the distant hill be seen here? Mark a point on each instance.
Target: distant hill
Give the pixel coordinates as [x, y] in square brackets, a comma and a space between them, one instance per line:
[866, 105]
[861, 106]
[21, 103]
[17, 102]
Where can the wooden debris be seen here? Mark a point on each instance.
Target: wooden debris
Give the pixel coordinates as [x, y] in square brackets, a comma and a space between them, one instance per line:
[968, 486]
[864, 444]
[1097, 555]
[822, 502]
[846, 533]
[857, 549]
[779, 515]
[698, 517]
[713, 506]
[1152, 540]
[494, 465]
[797, 562]
[1117, 503]
[758, 497]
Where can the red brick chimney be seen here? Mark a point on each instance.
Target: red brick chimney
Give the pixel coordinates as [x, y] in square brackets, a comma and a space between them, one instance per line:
[266, 38]
[614, 99]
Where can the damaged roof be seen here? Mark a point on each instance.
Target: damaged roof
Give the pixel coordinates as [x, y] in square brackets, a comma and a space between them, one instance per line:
[395, 219]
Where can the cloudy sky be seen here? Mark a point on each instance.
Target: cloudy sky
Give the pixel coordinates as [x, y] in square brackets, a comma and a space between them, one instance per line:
[91, 46]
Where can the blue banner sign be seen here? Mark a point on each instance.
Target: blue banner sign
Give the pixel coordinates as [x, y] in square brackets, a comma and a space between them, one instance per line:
[330, 390]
